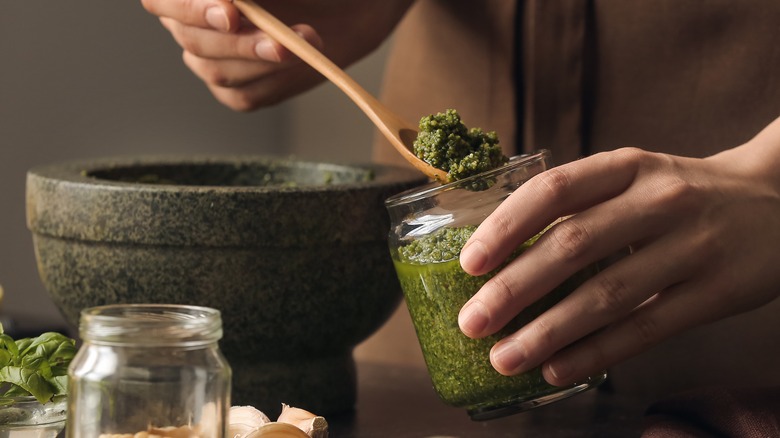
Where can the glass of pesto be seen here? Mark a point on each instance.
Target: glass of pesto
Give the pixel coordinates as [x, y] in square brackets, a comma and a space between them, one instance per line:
[429, 226]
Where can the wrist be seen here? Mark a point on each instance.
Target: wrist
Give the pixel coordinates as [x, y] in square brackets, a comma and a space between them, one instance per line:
[759, 158]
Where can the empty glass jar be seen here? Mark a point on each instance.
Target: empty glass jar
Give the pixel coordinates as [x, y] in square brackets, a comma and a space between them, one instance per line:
[429, 226]
[149, 370]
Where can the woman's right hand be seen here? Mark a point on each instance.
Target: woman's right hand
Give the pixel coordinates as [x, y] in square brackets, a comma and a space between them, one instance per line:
[245, 69]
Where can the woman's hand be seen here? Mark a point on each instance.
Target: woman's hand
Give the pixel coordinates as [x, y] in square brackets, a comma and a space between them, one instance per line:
[703, 233]
[245, 69]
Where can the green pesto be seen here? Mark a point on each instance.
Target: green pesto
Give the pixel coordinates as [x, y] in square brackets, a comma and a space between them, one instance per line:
[435, 288]
[444, 142]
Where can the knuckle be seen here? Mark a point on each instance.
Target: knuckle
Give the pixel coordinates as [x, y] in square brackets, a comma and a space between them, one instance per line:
[500, 291]
[210, 72]
[235, 99]
[545, 333]
[245, 47]
[500, 226]
[632, 158]
[668, 188]
[610, 295]
[569, 240]
[193, 8]
[552, 184]
[190, 45]
[674, 191]
[243, 103]
[632, 155]
[149, 6]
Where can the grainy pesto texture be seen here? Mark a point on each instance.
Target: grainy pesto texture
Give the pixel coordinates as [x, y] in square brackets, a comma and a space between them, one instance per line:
[446, 143]
[435, 288]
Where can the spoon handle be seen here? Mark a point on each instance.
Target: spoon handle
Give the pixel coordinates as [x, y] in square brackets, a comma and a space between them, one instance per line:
[399, 132]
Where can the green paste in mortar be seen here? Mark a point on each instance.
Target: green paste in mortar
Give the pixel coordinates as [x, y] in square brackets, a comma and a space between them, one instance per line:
[436, 288]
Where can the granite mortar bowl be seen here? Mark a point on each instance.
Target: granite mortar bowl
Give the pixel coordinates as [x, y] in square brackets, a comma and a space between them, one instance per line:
[294, 254]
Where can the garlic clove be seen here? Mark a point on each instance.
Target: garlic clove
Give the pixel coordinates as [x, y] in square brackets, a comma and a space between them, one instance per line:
[277, 430]
[314, 426]
[248, 415]
[240, 430]
[242, 420]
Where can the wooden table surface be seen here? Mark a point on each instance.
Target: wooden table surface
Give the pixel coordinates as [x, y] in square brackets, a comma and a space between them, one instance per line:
[399, 402]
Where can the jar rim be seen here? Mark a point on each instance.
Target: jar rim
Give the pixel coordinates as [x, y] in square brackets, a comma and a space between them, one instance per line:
[151, 324]
[434, 188]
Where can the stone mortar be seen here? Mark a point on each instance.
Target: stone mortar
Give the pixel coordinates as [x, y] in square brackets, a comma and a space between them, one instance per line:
[294, 254]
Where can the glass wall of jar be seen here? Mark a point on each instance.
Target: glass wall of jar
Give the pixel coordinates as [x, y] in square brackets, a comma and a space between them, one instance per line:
[149, 369]
[26, 417]
[429, 226]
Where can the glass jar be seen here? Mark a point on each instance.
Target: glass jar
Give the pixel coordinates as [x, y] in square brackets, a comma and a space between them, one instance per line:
[26, 417]
[150, 369]
[429, 226]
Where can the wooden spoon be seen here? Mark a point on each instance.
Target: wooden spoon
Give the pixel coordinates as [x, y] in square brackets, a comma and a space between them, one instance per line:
[400, 133]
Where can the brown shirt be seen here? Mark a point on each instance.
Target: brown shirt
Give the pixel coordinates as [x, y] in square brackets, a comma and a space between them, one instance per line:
[684, 77]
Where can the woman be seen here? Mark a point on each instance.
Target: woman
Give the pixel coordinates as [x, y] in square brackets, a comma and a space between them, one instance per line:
[693, 86]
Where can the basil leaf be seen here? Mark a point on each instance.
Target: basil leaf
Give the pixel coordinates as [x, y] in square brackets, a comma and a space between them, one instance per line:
[35, 366]
[29, 380]
[9, 344]
[60, 384]
[5, 358]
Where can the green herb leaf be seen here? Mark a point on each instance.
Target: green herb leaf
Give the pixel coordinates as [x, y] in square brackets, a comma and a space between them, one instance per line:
[35, 366]
[60, 384]
[29, 380]
[8, 343]
[46, 351]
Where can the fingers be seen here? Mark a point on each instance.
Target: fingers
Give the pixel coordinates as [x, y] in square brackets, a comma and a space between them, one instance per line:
[612, 214]
[559, 253]
[272, 88]
[226, 73]
[219, 15]
[610, 296]
[675, 309]
[248, 45]
[206, 43]
[562, 250]
[555, 193]
[246, 71]
[702, 234]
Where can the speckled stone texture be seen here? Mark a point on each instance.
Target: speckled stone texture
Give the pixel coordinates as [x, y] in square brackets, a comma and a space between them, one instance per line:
[294, 255]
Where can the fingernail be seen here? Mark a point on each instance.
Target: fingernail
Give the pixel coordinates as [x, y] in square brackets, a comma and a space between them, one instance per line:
[473, 319]
[217, 18]
[473, 257]
[560, 371]
[265, 49]
[508, 356]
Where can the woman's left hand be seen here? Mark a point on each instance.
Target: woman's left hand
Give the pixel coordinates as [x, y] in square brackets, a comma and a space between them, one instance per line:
[704, 235]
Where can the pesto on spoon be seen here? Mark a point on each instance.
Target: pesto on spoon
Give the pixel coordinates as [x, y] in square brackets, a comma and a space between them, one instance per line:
[446, 143]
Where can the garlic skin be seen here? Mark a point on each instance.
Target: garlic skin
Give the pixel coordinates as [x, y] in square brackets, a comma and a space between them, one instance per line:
[277, 430]
[248, 422]
[314, 426]
[243, 420]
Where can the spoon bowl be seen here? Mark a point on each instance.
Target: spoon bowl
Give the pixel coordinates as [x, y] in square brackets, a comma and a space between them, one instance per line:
[398, 132]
